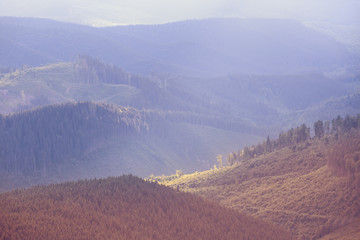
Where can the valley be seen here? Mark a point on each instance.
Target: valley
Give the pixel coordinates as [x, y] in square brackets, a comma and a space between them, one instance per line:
[214, 128]
[190, 120]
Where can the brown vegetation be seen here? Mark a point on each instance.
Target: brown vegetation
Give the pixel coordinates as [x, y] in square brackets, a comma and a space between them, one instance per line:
[122, 208]
[311, 188]
[344, 157]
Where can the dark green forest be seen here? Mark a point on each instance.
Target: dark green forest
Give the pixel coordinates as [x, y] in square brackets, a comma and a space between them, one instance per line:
[87, 139]
[42, 138]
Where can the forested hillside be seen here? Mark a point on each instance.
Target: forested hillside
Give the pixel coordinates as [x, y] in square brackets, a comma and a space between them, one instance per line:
[49, 143]
[124, 207]
[201, 88]
[84, 140]
[87, 79]
[311, 186]
[41, 139]
[254, 95]
[190, 120]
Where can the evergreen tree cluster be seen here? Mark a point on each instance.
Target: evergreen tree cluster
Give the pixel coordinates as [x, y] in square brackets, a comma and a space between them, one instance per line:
[285, 139]
[337, 127]
[90, 70]
[39, 139]
[93, 71]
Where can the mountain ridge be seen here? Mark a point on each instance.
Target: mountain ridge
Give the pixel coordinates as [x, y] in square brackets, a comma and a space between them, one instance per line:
[223, 43]
[239, 98]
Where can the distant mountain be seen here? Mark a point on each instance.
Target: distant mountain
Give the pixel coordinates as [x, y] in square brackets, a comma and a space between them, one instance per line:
[310, 187]
[254, 71]
[88, 79]
[124, 207]
[249, 102]
[209, 47]
[284, 101]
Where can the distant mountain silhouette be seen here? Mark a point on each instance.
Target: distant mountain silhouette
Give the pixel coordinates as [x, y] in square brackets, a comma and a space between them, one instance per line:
[209, 47]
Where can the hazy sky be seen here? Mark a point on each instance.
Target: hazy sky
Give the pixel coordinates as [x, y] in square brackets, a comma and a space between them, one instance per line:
[108, 12]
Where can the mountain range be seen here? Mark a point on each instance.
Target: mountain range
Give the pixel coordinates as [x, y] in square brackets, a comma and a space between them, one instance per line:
[211, 47]
[200, 87]
[228, 120]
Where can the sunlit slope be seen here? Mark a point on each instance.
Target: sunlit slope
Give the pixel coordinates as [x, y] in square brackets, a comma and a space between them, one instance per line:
[291, 187]
[122, 208]
[348, 232]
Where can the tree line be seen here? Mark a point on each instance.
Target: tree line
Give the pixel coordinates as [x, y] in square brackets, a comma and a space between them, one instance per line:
[336, 127]
[156, 91]
[91, 71]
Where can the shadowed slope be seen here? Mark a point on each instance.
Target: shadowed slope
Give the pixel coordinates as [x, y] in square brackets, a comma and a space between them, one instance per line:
[66, 142]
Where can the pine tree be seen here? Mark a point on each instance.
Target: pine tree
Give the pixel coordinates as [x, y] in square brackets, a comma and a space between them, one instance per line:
[319, 129]
[219, 158]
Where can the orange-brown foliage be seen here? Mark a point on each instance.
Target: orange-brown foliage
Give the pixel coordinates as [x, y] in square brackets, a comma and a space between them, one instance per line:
[293, 187]
[122, 208]
[344, 157]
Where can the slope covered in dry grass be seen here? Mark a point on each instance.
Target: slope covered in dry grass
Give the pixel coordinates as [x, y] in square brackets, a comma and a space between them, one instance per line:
[124, 207]
[312, 189]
